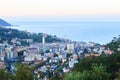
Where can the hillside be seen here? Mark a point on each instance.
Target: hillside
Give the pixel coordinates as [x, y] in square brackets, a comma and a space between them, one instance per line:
[114, 44]
[4, 23]
[7, 34]
[104, 67]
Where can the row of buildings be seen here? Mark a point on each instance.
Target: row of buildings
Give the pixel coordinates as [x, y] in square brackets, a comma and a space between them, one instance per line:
[52, 54]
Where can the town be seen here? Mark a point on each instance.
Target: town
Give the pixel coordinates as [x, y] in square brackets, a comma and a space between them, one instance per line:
[60, 40]
[47, 59]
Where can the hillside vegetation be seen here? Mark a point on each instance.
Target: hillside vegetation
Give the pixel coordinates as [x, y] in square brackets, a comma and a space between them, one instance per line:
[104, 67]
[7, 34]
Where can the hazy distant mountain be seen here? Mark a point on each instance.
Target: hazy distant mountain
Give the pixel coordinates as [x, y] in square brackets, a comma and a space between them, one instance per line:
[4, 23]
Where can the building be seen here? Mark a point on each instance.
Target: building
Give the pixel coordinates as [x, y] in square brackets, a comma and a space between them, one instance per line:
[70, 48]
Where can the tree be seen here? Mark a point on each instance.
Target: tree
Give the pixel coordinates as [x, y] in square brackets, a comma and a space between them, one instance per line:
[85, 75]
[47, 51]
[4, 75]
[98, 72]
[118, 75]
[114, 44]
[23, 72]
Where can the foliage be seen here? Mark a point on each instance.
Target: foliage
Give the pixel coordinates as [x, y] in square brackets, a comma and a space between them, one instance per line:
[111, 62]
[5, 76]
[85, 75]
[114, 44]
[47, 51]
[23, 72]
[7, 34]
[55, 78]
[118, 75]
[99, 72]
[96, 73]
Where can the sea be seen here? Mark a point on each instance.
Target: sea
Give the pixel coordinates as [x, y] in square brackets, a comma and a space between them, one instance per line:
[89, 31]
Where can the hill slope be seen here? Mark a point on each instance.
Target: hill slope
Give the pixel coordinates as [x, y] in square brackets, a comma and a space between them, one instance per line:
[7, 34]
[4, 23]
[114, 44]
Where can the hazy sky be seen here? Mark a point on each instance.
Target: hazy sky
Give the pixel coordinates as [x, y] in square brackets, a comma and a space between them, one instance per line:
[101, 17]
[59, 7]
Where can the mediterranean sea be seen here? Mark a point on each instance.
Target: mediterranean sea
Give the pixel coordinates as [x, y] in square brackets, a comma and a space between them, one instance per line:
[96, 31]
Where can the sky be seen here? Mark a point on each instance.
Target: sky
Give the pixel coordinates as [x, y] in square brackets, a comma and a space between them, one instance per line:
[100, 18]
[59, 7]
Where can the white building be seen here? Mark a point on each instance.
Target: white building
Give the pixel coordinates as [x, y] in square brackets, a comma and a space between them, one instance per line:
[32, 57]
[72, 62]
[70, 48]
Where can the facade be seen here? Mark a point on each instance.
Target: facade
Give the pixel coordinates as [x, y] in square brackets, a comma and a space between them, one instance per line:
[70, 48]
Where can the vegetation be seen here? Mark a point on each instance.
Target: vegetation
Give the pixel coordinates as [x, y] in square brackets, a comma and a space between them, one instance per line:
[22, 72]
[97, 72]
[5, 76]
[96, 68]
[114, 44]
[93, 68]
[7, 34]
[104, 67]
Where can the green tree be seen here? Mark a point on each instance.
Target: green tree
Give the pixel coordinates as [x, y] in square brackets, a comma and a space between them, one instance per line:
[23, 72]
[98, 72]
[85, 75]
[4, 75]
[114, 44]
[47, 51]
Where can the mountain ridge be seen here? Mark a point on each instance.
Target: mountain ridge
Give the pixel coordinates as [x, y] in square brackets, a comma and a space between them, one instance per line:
[4, 23]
